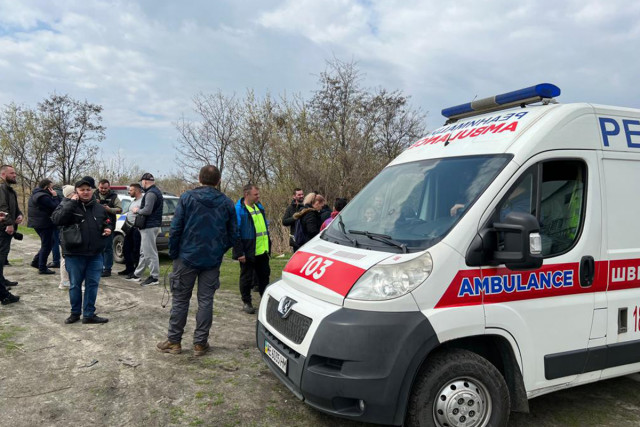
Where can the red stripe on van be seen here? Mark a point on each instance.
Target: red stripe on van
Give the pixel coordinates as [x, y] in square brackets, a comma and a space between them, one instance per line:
[500, 285]
[335, 275]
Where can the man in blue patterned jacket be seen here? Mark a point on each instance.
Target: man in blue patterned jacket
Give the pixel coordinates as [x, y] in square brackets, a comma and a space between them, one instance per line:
[203, 228]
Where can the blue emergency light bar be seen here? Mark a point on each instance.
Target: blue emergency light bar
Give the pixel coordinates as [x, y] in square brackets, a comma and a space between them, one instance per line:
[506, 100]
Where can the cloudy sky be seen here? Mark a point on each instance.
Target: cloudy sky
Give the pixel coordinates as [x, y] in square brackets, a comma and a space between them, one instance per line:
[144, 60]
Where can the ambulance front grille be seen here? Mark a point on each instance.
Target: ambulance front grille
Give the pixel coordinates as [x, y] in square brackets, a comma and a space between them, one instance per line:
[294, 327]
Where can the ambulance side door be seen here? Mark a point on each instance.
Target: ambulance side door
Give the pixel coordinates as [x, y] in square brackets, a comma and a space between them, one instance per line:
[621, 173]
[549, 311]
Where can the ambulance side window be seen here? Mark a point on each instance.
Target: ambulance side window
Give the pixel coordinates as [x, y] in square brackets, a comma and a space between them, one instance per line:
[562, 196]
[553, 192]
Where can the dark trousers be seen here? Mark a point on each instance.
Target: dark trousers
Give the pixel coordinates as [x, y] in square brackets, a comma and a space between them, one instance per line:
[183, 278]
[5, 247]
[260, 267]
[131, 249]
[56, 246]
[46, 245]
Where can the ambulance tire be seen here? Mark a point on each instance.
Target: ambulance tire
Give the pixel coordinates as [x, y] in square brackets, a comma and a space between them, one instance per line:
[455, 381]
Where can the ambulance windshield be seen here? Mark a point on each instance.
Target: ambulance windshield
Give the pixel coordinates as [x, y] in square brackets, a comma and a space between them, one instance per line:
[414, 204]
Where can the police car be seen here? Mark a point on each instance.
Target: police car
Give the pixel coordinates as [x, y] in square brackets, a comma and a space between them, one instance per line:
[170, 202]
[495, 260]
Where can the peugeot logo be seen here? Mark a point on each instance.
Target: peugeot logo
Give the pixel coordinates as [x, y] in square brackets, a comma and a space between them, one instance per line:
[284, 307]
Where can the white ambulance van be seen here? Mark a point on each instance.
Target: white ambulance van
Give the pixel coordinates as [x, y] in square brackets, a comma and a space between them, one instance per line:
[495, 260]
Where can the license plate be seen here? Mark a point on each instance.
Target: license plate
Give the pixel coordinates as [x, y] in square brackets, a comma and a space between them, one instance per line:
[278, 358]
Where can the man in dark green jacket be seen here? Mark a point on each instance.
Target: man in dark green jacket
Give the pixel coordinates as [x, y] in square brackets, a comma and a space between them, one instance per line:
[8, 227]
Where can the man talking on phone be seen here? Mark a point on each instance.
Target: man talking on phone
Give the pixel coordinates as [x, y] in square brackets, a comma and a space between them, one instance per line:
[8, 227]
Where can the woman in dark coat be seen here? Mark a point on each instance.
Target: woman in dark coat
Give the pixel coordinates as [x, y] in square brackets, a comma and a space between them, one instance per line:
[310, 216]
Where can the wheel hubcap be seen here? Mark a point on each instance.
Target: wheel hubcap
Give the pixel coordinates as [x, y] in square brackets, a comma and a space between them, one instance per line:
[462, 402]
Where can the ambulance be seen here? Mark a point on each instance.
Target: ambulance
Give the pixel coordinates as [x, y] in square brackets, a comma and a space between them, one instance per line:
[495, 260]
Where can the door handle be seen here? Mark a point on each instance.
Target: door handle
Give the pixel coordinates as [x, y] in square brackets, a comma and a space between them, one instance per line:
[587, 271]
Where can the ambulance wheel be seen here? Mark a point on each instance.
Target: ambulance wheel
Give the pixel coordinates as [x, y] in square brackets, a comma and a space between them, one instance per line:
[118, 248]
[459, 388]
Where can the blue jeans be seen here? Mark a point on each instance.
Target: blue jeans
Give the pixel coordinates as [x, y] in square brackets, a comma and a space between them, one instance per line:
[108, 253]
[85, 269]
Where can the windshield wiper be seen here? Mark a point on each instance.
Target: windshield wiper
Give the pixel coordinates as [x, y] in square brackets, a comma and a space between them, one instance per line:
[344, 231]
[381, 238]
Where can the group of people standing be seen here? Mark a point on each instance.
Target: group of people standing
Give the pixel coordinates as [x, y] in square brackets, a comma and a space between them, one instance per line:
[77, 226]
[306, 216]
[206, 224]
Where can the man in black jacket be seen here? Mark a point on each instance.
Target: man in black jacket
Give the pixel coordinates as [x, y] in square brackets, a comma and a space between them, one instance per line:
[43, 201]
[288, 220]
[83, 259]
[13, 217]
[112, 204]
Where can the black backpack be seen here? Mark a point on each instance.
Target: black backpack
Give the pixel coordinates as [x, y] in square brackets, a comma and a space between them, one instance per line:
[299, 236]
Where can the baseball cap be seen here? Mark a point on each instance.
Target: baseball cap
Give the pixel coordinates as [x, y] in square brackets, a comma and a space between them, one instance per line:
[147, 177]
[89, 180]
[81, 183]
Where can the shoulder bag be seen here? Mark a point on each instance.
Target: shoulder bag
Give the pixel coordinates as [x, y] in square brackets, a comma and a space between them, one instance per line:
[140, 221]
[71, 236]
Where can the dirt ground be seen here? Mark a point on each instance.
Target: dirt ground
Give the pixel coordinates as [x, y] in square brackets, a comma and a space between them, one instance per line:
[52, 374]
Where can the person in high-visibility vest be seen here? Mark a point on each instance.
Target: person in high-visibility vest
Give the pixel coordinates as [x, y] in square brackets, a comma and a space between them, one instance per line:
[252, 249]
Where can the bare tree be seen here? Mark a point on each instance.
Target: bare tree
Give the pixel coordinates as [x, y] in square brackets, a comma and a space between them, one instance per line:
[74, 126]
[252, 153]
[396, 125]
[26, 144]
[207, 141]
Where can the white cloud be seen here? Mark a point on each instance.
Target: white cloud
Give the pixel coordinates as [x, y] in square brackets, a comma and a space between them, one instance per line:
[144, 60]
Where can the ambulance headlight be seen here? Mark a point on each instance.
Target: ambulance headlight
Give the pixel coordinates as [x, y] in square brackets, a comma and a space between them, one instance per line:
[387, 281]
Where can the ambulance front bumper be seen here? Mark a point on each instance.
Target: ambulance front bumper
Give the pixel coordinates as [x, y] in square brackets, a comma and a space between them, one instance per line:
[360, 364]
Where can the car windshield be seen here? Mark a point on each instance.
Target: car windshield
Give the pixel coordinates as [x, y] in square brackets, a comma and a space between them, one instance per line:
[414, 204]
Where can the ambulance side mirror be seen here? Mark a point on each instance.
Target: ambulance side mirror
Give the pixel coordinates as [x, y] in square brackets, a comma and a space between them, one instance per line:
[515, 242]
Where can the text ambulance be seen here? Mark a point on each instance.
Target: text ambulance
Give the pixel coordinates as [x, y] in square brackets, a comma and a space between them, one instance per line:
[502, 263]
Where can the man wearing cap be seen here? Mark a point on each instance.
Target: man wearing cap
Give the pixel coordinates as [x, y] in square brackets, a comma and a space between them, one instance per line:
[12, 217]
[81, 214]
[151, 209]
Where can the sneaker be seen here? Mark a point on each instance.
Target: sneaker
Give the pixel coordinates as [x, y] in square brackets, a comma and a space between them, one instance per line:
[73, 318]
[53, 265]
[34, 264]
[106, 273]
[64, 285]
[169, 347]
[10, 299]
[150, 281]
[133, 278]
[125, 272]
[46, 271]
[248, 308]
[94, 319]
[10, 284]
[200, 349]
